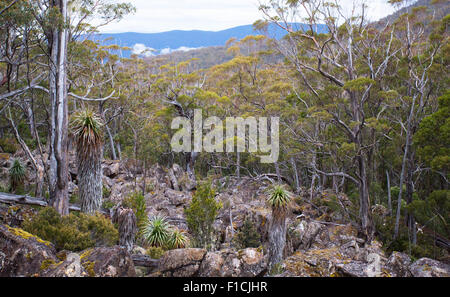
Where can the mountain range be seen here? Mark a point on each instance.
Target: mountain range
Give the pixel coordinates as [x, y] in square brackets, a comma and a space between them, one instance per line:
[149, 44]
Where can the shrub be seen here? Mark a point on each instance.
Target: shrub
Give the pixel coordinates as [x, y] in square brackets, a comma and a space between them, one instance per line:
[8, 145]
[156, 232]
[136, 201]
[155, 252]
[74, 232]
[201, 213]
[247, 236]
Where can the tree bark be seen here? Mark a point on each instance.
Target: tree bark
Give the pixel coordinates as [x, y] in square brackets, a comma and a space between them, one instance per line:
[59, 112]
[389, 193]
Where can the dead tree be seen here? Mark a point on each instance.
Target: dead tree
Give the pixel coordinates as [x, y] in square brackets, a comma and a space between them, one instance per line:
[126, 219]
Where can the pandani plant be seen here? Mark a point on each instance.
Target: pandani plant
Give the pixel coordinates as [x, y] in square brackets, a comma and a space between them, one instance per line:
[278, 199]
[86, 128]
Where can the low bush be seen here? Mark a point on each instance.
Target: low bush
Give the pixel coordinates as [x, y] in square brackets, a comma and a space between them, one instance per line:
[74, 232]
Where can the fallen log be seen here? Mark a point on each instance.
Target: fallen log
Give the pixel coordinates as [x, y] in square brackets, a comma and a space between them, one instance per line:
[145, 261]
[27, 200]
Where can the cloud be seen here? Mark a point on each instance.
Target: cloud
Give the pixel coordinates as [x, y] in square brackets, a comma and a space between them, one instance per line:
[142, 49]
[168, 50]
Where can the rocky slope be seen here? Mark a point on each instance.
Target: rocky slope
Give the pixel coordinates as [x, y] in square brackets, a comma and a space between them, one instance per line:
[319, 242]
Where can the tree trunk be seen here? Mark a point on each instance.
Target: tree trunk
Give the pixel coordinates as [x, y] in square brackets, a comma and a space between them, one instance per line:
[111, 143]
[238, 164]
[296, 178]
[404, 165]
[277, 170]
[364, 200]
[389, 193]
[59, 113]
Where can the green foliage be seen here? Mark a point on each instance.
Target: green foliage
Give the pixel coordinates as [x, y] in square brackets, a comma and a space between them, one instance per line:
[74, 232]
[155, 252]
[8, 145]
[247, 236]
[178, 239]
[17, 174]
[433, 212]
[201, 214]
[86, 127]
[136, 201]
[156, 232]
[433, 137]
[279, 197]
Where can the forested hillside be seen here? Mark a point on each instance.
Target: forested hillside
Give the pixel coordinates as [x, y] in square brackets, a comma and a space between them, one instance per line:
[364, 146]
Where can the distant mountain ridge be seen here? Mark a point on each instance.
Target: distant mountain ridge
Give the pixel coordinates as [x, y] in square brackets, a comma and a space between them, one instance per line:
[166, 42]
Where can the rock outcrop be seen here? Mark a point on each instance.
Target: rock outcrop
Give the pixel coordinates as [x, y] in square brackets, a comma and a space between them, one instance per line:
[108, 262]
[22, 254]
[181, 262]
[248, 262]
[426, 267]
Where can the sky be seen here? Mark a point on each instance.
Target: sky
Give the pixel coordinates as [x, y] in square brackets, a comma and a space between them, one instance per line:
[210, 15]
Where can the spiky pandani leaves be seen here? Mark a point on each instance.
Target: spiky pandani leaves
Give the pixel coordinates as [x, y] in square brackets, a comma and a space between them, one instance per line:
[178, 239]
[86, 126]
[17, 171]
[16, 174]
[279, 196]
[156, 231]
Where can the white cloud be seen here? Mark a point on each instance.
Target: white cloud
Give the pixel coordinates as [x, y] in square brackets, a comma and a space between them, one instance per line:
[212, 15]
[168, 50]
[142, 49]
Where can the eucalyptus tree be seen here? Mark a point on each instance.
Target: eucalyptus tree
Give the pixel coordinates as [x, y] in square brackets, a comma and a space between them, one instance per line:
[341, 59]
[419, 84]
[55, 26]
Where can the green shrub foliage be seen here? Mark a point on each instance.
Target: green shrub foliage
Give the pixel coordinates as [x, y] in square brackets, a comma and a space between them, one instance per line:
[201, 213]
[74, 232]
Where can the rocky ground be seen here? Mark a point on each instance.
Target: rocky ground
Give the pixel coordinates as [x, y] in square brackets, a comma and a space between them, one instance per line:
[319, 243]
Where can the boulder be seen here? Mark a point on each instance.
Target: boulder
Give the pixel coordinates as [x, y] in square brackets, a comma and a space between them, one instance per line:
[71, 267]
[426, 267]
[108, 262]
[22, 254]
[181, 262]
[399, 263]
[248, 262]
[304, 233]
[353, 269]
[111, 169]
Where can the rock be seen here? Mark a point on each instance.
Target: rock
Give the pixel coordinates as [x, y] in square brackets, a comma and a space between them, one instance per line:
[399, 263]
[71, 267]
[304, 234]
[22, 254]
[108, 262]
[353, 268]
[176, 198]
[212, 265]
[137, 250]
[314, 263]
[73, 188]
[426, 267]
[181, 262]
[252, 262]
[111, 168]
[248, 262]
